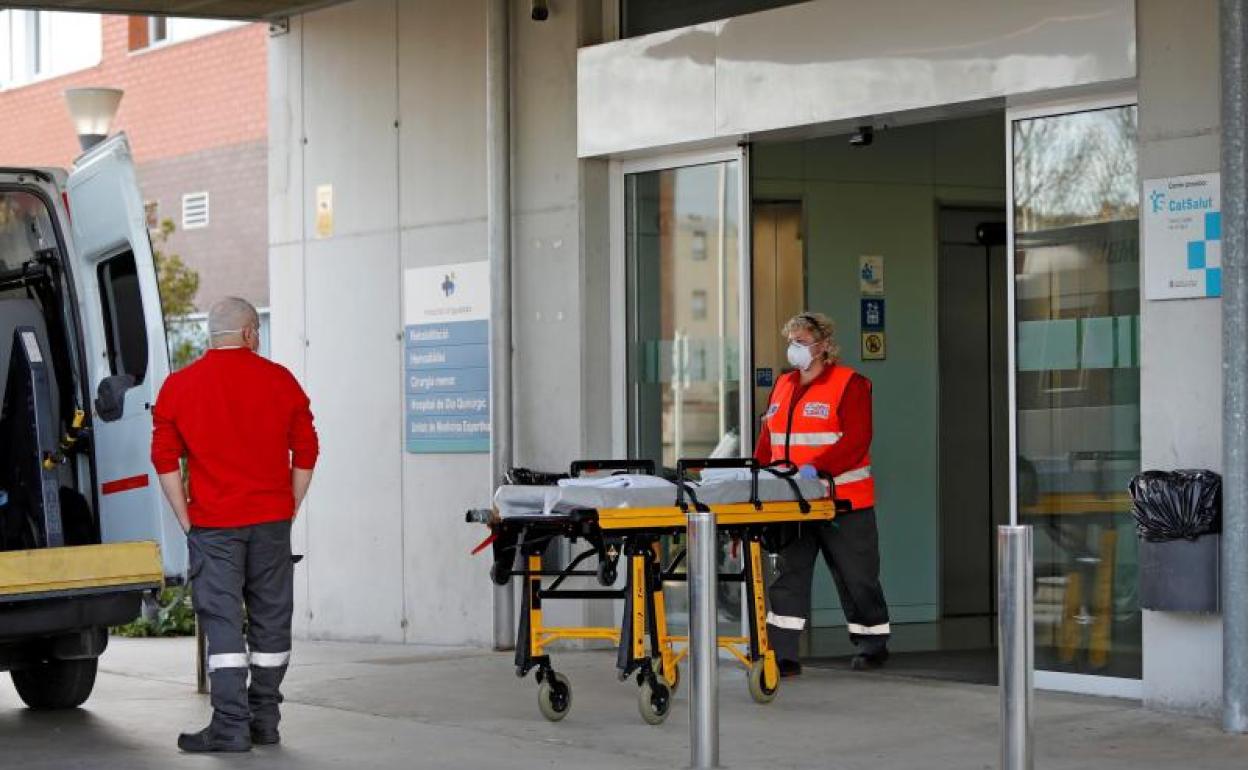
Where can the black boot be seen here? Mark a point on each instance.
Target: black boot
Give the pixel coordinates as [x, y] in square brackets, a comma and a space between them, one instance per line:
[265, 736]
[210, 739]
[789, 668]
[869, 661]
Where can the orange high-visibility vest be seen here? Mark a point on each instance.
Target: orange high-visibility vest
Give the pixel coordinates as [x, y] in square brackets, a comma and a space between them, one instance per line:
[803, 423]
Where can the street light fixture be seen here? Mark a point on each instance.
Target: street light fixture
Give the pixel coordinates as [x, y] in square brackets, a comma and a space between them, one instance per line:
[92, 110]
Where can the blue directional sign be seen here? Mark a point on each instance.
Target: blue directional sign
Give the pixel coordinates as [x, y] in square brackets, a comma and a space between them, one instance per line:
[446, 359]
[447, 369]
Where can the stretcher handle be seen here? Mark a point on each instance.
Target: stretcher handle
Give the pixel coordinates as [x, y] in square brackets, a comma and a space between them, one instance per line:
[593, 466]
[683, 466]
[479, 516]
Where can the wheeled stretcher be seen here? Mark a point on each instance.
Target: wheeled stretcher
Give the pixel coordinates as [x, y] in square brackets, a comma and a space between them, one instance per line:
[627, 522]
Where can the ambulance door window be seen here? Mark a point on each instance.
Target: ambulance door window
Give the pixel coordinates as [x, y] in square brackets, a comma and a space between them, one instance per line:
[125, 331]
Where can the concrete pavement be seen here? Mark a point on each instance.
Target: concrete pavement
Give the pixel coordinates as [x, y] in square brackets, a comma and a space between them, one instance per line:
[379, 706]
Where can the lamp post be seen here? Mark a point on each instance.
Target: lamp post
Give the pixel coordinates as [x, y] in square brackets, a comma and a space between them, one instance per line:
[92, 110]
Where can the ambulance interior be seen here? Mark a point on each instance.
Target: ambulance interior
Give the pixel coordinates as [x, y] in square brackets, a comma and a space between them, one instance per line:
[38, 397]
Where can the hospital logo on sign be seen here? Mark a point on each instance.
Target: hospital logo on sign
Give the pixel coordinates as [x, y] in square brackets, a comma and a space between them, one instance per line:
[817, 409]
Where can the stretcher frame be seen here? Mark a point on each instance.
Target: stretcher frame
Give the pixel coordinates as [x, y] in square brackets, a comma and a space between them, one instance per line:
[645, 648]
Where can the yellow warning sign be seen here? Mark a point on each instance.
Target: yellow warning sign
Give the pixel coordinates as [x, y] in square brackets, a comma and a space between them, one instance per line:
[324, 210]
[873, 346]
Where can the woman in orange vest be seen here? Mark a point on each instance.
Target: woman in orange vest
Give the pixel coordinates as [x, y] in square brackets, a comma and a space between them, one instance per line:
[819, 420]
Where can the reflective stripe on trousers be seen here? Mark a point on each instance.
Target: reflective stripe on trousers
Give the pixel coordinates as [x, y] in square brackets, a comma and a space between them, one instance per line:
[860, 630]
[227, 660]
[787, 622]
[270, 659]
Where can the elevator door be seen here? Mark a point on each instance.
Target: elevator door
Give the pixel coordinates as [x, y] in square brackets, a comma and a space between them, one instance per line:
[974, 406]
[779, 289]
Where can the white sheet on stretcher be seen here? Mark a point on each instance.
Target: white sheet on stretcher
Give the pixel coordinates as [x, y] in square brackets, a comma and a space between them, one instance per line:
[517, 500]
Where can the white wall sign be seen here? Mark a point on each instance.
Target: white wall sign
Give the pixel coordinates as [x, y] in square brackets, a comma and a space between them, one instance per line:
[446, 357]
[1182, 236]
[871, 276]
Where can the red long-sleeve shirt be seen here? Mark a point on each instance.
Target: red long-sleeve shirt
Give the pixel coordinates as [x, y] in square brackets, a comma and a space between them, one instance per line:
[854, 413]
[242, 422]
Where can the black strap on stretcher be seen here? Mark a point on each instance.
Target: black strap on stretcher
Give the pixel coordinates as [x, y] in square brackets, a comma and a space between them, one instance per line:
[684, 487]
[644, 467]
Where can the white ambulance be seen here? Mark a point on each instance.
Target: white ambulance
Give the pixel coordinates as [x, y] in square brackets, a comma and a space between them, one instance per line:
[84, 530]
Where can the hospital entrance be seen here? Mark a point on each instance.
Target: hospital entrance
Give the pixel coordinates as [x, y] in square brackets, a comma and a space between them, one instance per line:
[899, 234]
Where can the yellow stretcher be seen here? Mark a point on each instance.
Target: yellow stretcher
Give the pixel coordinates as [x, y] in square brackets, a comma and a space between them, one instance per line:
[645, 647]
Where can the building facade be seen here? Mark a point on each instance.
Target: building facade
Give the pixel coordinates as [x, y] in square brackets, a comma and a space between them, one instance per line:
[195, 109]
[687, 175]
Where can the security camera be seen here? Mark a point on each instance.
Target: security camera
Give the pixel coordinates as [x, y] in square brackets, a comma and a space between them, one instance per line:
[862, 137]
[541, 10]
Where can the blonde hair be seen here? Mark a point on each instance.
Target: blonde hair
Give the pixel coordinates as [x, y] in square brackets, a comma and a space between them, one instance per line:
[820, 327]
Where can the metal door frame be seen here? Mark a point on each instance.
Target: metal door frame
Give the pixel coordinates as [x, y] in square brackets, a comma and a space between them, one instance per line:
[1087, 684]
[621, 397]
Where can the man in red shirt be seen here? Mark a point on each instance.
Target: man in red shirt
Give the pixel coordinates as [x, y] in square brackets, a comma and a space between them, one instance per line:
[244, 427]
[818, 420]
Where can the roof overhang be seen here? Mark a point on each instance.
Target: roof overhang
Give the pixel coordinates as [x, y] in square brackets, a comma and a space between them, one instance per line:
[247, 10]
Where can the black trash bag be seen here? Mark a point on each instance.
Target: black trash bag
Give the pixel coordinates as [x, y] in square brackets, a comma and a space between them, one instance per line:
[1177, 505]
[532, 478]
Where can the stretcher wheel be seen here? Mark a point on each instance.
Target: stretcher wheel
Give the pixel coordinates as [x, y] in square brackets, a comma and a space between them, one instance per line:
[674, 684]
[500, 574]
[760, 690]
[654, 701]
[607, 573]
[554, 696]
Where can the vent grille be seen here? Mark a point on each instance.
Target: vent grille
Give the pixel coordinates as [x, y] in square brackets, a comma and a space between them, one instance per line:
[194, 210]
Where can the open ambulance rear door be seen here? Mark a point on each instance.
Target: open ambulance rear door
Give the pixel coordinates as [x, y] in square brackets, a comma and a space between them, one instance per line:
[127, 358]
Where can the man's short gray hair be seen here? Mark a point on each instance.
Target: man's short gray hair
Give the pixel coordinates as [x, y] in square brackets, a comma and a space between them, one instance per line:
[230, 315]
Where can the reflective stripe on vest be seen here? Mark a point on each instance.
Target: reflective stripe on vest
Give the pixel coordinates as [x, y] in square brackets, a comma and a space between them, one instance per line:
[807, 439]
[849, 477]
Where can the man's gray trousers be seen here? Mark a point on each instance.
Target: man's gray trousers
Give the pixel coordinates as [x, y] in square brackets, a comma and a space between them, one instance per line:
[243, 578]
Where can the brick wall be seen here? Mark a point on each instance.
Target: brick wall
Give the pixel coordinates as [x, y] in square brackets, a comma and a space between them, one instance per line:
[230, 254]
[196, 115]
[181, 98]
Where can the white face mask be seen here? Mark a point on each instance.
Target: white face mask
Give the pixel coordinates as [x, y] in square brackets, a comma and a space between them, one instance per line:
[799, 355]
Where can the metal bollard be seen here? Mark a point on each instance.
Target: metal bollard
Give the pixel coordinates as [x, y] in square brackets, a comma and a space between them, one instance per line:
[1017, 645]
[703, 640]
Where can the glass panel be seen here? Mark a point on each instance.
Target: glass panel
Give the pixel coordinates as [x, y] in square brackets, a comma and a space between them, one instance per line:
[121, 301]
[1076, 273]
[682, 238]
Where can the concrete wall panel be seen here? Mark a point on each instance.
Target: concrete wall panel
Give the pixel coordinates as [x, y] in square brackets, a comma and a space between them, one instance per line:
[447, 592]
[1181, 348]
[349, 115]
[441, 102]
[354, 378]
[285, 74]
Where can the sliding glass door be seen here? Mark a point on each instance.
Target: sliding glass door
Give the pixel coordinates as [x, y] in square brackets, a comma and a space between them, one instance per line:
[683, 260]
[687, 308]
[1077, 381]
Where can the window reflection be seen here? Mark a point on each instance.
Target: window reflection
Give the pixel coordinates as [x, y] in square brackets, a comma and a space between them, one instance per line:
[682, 230]
[684, 312]
[1077, 293]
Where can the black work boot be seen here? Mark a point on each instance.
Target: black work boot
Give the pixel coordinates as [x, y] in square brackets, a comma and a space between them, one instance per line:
[869, 661]
[789, 668]
[265, 736]
[211, 739]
